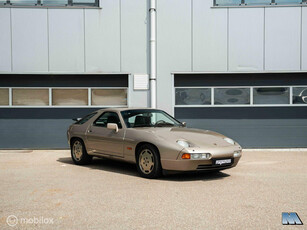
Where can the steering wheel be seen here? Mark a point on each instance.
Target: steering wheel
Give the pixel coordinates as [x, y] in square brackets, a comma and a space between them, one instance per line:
[160, 122]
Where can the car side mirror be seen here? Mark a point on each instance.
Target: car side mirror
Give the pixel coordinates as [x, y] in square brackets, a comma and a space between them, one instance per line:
[112, 126]
[184, 124]
[77, 119]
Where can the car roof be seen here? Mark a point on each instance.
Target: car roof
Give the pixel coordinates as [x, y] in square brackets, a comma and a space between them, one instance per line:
[119, 109]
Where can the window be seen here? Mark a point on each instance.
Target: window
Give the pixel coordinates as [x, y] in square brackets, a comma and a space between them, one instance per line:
[256, 2]
[108, 117]
[227, 2]
[23, 2]
[109, 96]
[63, 97]
[4, 97]
[54, 2]
[231, 96]
[274, 95]
[193, 96]
[50, 2]
[299, 95]
[288, 2]
[85, 119]
[148, 118]
[242, 96]
[30, 97]
[69, 97]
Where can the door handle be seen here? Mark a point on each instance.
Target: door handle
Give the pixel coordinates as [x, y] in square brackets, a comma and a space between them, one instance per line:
[89, 131]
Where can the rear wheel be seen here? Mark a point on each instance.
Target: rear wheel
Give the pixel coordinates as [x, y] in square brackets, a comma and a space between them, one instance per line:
[148, 162]
[79, 154]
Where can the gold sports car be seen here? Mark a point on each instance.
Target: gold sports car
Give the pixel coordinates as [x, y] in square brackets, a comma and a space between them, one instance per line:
[152, 139]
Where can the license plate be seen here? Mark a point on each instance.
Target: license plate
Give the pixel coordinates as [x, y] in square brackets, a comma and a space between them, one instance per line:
[223, 162]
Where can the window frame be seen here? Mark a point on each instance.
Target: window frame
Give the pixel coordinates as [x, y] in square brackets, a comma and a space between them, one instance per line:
[273, 3]
[251, 104]
[89, 104]
[70, 4]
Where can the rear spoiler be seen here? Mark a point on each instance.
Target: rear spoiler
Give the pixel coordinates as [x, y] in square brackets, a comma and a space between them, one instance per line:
[77, 119]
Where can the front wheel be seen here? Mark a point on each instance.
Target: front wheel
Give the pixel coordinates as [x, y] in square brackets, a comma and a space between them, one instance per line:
[148, 162]
[79, 154]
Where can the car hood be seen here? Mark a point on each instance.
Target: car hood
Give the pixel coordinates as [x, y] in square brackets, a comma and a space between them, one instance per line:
[197, 137]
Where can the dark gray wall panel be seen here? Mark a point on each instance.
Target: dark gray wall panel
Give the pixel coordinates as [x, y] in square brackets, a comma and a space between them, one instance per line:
[252, 127]
[33, 133]
[44, 113]
[60, 80]
[250, 133]
[249, 112]
[37, 128]
[255, 133]
[240, 79]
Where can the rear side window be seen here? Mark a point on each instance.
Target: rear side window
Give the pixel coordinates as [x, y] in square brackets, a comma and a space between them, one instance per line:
[85, 119]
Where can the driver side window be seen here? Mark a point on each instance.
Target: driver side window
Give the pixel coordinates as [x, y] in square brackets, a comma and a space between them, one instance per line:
[108, 117]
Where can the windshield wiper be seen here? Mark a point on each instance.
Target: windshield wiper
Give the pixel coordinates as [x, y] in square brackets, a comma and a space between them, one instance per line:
[140, 126]
[164, 125]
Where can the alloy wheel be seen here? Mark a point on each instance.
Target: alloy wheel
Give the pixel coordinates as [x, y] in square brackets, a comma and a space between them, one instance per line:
[146, 161]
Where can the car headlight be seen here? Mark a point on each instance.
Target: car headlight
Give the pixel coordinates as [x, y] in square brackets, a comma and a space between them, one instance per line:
[230, 141]
[196, 156]
[184, 143]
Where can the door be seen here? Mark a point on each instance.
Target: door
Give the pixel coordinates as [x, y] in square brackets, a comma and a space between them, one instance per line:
[103, 140]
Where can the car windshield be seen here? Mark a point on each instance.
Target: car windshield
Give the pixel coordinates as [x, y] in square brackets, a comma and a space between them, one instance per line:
[148, 118]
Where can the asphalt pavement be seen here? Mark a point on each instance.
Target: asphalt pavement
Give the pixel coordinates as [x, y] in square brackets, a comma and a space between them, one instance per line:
[43, 189]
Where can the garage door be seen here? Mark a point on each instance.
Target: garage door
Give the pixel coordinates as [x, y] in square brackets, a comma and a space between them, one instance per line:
[36, 110]
[257, 110]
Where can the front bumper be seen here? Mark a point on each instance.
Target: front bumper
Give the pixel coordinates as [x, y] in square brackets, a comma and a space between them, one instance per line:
[197, 165]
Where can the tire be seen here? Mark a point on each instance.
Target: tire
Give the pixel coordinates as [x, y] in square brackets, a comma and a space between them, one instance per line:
[148, 162]
[79, 154]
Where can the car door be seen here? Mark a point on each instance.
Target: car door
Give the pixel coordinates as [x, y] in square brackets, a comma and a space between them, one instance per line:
[100, 139]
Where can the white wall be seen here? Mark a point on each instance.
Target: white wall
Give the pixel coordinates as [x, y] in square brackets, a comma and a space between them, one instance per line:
[102, 38]
[246, 39]
[209, 37]
[226, 40]
[29, 40]
[134, 50]
[66, 40]
[114, 38]
[283, 38]
[5, 40]
[192, 36]
[304, 38]
[174, 43]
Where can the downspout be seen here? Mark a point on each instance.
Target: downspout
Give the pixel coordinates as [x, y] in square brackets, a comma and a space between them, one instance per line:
[153, 56]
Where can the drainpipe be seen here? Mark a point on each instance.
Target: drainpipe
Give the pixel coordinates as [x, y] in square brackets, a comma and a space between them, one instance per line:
[153, 63]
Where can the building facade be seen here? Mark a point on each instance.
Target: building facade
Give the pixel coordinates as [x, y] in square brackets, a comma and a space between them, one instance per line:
[238, 67]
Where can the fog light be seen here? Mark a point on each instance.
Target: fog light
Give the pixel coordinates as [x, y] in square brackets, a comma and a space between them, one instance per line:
[237, 154]
[205, 156]
[186, 156]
